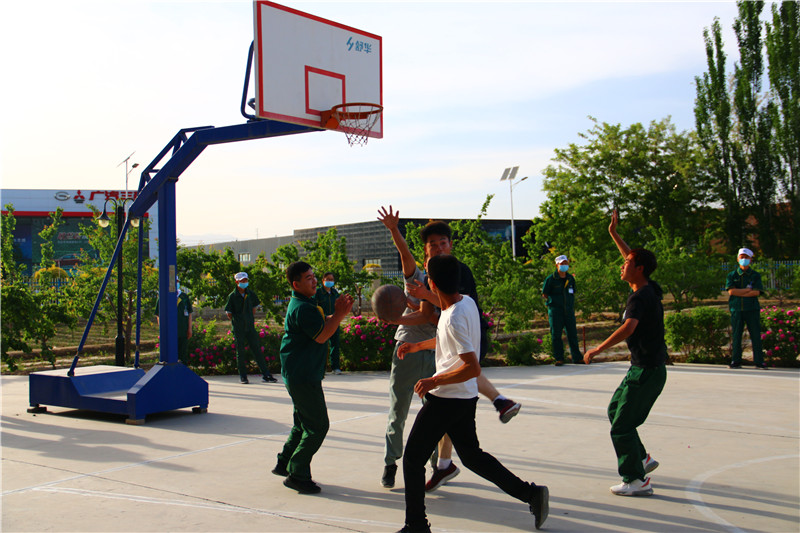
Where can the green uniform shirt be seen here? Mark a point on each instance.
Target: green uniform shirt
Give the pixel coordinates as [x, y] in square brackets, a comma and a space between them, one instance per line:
[184, 310]
[241, 307]
[744, 279]
[326, 300]
[303, 359]
[560, 291]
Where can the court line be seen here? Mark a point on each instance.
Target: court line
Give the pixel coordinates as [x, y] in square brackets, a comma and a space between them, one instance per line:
[694, 487]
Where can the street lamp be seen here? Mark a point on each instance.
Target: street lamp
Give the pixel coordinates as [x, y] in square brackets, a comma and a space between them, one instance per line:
[104, 221]
[509, 174]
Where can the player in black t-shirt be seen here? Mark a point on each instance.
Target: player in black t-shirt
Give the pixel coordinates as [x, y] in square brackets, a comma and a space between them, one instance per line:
[643, 330]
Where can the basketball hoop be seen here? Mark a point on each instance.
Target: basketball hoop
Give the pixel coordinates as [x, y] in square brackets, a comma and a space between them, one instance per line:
[356, 120]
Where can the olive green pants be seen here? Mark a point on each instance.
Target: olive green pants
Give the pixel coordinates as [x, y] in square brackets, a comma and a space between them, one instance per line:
[561, 319]
[628, 409]
[309, 429]
[247, 345]
[751, 319]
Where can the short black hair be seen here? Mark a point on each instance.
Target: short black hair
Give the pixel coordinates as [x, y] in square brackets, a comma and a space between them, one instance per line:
[645, 258]
[326, 274]
[295, 271]
[445, 272]
[435, 227]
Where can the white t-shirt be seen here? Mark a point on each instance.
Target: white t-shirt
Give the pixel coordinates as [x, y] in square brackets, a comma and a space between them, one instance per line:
[458, 332]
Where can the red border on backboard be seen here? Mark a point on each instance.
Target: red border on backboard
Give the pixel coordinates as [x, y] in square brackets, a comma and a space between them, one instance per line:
[314, 70]
[297, 120]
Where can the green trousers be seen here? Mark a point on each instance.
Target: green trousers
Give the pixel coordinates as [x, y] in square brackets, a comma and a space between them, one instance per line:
[561, 319]
[335, 351]
[751, 319]
[247, 345]
[628, 409]
[404, 375]
[183, 349]
[308, 430]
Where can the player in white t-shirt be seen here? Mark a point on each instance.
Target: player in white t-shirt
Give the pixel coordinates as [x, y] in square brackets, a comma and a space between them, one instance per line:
[451, 395]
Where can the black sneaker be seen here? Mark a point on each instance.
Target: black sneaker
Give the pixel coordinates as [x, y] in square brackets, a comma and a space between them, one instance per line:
[507, 409]
[539, 504]
[735, 365]
[559, 363]
[389, 472]
[280, 469]
[269, 379]
[244, 381]
[303, 486]
[761, 366]
[408, 529]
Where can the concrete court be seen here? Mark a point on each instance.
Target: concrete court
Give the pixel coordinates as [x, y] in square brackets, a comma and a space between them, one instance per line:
[727, 441]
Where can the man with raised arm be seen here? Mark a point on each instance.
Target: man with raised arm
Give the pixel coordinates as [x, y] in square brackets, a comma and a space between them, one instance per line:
[643, 329]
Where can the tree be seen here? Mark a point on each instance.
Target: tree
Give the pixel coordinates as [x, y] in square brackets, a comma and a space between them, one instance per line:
[649, 174]
[783, 53]
[89, 275]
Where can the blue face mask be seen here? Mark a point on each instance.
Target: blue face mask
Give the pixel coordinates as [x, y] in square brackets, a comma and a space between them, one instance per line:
[243, 285]
[328, 284]
[563, 268]
[744, 262]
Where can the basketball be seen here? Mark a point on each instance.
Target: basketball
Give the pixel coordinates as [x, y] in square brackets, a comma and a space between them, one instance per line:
[389, 302]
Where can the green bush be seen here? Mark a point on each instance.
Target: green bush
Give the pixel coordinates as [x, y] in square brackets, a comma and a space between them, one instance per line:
[524, 350]
[700, 334]
[212, 352]
[367, 344]
[780, 335]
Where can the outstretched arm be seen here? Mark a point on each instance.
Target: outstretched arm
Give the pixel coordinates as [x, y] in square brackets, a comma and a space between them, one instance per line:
[622, 246]
[391, 220]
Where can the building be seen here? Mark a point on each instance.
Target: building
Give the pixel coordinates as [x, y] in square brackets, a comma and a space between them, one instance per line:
[367, 242]
[32, 208]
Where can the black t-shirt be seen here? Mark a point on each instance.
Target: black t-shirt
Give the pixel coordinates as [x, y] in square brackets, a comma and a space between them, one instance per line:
[647, 346]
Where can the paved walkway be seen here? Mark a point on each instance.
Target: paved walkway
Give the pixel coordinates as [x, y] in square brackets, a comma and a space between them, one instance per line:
[728, 443]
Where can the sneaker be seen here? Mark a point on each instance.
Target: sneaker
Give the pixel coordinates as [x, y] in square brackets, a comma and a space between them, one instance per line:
[269, 379]
[280, 469]
[408, 529]
[761, 366]
[508, 409]
[559, 363]
[303, 486]
[389, 472]
[244, 381]
[539, 504]
[337, 371]
[441, 477]
[637, 487]
[735, 365]
[649, 463]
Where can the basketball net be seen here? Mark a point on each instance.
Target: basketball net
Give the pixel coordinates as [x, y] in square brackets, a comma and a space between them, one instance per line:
[356, 120]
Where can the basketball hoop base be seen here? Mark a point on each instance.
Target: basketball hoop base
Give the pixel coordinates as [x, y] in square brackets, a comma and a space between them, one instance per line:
[355, 120]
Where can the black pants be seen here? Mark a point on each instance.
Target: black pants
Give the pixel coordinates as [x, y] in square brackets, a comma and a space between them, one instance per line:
[456, 417]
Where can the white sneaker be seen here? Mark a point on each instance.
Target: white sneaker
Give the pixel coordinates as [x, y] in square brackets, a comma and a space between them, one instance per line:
[637, 487]
[649, 463]
[339, 373]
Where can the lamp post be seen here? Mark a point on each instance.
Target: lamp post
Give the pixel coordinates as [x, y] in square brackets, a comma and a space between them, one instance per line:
[509, 174]
[104, 221]
[127, 172]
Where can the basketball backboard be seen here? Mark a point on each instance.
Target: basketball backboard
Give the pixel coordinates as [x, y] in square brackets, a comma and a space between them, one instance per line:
[305, 65]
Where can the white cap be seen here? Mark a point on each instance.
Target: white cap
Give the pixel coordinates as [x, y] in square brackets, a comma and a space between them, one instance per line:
[240, 276]
[745, 251]
[561, 258]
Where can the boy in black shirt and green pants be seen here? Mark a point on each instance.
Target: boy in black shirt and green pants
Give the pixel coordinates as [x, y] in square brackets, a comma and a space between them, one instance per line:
[643, 330]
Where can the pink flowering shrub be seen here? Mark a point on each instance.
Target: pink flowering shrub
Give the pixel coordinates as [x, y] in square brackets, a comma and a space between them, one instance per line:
[366, 343]
[780, 335]
[214, 352]
[526, 349]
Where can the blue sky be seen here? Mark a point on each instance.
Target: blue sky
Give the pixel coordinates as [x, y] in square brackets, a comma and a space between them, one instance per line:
[470, 88]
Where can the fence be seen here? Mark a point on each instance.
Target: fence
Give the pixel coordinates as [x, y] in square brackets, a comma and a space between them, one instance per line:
[774, 274]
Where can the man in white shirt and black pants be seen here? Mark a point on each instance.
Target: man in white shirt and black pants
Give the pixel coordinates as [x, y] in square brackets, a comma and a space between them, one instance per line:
[451, 395]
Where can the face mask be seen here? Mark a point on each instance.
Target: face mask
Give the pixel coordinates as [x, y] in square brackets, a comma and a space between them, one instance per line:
[328, 284]
[563, 268]
[744, 262]
[243, 285]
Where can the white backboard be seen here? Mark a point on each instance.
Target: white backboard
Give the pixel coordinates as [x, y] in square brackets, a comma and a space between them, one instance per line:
[305, 64]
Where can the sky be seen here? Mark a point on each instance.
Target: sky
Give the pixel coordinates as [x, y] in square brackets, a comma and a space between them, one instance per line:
[469, 88]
